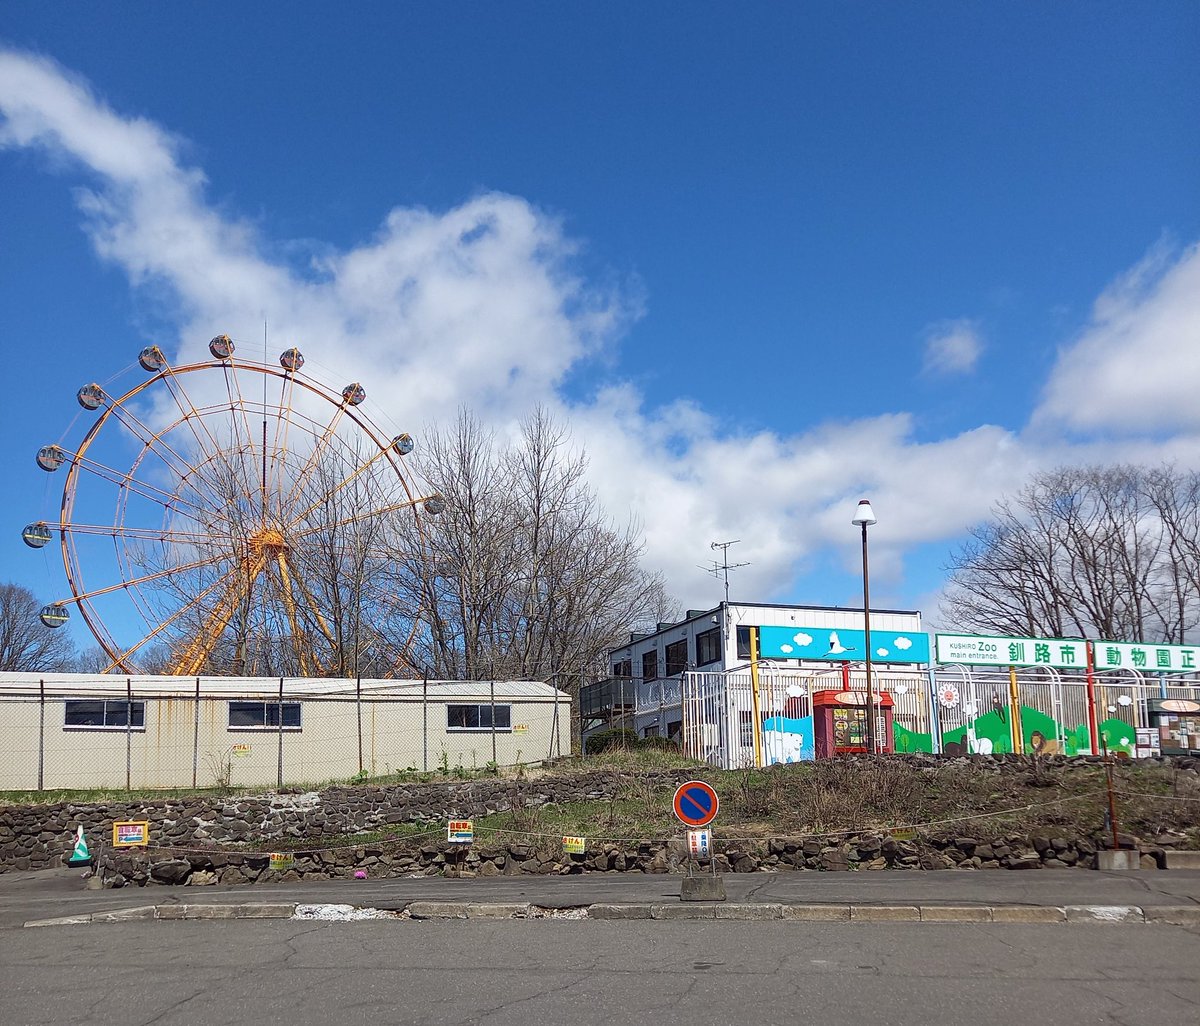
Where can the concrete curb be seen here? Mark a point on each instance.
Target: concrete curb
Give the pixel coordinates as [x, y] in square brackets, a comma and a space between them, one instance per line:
[1166, 915]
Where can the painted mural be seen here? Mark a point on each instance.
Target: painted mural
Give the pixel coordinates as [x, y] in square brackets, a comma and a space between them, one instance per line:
[787, 739]
[992, 734]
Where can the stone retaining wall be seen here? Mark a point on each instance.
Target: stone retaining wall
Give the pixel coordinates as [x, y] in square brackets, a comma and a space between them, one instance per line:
[865, 851]
[196, 839]
[39, 836]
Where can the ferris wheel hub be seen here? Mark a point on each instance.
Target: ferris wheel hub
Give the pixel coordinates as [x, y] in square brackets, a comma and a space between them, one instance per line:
[269, 540]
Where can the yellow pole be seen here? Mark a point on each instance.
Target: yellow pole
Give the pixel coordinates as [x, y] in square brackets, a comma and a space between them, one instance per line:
[754, 696]
[1014, 699]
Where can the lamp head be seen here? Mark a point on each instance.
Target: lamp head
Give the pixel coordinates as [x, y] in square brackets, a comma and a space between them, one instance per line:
[864, 516]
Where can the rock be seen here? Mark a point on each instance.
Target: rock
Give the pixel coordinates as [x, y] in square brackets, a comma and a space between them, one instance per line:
[202, 878]
[173, 871]
[1027, 861]
[834, 860]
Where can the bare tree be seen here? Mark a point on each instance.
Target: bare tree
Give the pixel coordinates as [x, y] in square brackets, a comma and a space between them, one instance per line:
[528, 576]
[1088, 551]
[25, 642]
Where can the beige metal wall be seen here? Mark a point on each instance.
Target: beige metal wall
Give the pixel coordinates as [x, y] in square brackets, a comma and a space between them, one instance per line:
[184, 742]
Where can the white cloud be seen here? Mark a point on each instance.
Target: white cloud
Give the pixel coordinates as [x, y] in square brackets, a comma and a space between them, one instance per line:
[952, 347]
[480, 305]
[1136, 366]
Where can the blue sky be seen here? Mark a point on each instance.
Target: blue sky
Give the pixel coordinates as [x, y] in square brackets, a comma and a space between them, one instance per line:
[763, 258]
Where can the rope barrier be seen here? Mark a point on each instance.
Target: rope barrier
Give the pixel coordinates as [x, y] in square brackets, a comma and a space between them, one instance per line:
[390, 841]
[921, 827]
[821, 833]
[1148, 794]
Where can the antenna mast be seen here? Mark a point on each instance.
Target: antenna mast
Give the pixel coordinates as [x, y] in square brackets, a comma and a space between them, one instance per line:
[722, 569]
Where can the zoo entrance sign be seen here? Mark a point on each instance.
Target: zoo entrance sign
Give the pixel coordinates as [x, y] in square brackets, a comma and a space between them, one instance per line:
[1066, 653]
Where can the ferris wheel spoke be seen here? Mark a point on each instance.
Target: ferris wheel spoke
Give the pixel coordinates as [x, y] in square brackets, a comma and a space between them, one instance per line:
[279, 455]
[158, 575]
[153, 441]
[195, 601]
[363, 515]
[344, 483]
[164, 498]
[189, 413]
[210, 449]
[232, 388]
[313, 604]
[130, 533]
[314, 457]
[290, 608]
[206, 638]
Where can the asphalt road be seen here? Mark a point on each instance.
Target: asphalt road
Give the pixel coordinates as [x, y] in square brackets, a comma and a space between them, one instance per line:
[558, 972]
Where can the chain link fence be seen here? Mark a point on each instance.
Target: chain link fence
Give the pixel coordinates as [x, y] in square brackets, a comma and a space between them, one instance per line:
[85, 732]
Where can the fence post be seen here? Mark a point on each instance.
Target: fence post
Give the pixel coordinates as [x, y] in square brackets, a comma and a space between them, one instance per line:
[554, 725]
[934, 709]
[41, 734]
[128, 734]
[492, 686]
[279, 775]
[358, 710]
[196, 735]
[425, 722]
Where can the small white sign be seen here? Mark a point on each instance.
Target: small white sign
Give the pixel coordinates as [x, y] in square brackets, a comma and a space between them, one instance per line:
[460, 831]
[699, 842]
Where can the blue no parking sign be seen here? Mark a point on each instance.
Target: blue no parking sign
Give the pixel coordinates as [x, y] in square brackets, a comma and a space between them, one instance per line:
[696, 803]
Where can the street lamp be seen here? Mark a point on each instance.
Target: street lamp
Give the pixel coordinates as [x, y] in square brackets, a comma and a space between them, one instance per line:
[863, 518]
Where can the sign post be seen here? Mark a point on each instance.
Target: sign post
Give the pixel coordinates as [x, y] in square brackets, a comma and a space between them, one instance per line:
[696, 805]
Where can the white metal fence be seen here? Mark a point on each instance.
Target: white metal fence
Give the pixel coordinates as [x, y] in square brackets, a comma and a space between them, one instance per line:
[728, 721]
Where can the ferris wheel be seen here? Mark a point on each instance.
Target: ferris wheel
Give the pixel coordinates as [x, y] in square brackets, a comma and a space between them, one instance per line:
[237, 516]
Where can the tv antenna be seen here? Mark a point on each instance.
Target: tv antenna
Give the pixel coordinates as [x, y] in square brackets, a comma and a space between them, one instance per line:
[722, 569]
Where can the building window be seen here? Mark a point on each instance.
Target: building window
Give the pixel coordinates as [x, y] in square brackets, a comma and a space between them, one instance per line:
[623, 669]
[746, 731]
[105, 714]
[263, 715]
[676, 657]
[650, 665]
[478, 717]
[743, 643]
[708, 647]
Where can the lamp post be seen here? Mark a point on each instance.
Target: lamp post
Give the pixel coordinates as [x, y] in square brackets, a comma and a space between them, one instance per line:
[864, 517]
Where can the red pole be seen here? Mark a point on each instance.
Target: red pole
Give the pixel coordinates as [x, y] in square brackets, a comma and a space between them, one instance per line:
[1112, 801]
[1093, 727]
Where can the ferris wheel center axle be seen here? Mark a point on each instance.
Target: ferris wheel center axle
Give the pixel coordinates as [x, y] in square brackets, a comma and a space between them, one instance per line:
[270, 540]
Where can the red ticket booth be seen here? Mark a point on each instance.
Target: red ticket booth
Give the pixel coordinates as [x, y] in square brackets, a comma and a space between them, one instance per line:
[840, 722]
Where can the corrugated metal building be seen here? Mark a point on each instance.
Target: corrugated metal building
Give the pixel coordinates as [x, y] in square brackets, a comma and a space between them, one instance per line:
[71, 730]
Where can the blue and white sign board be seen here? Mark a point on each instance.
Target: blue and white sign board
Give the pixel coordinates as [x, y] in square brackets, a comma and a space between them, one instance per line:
[842, 645]
[699, 842]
